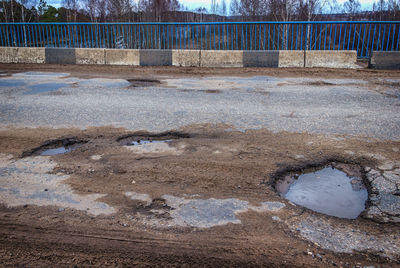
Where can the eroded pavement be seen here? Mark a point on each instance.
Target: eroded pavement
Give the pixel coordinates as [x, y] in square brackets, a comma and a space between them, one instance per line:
[214, 170]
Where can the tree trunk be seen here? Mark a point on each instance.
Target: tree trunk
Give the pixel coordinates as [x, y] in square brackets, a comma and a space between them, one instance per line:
[13, 20]
[24, 26]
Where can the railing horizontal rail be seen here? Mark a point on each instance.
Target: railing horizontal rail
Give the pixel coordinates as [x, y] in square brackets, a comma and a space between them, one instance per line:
[362, 36]
[206, 23]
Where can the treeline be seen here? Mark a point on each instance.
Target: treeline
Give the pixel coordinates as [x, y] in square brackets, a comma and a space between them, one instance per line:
[174, 11]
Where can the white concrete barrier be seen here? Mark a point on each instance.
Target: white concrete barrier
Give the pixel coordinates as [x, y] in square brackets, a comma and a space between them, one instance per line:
[331, 59]
[195, 58]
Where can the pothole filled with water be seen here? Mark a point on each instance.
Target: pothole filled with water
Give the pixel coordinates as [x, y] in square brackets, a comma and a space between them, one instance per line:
[143, 138]
[56, 147]
[144, 142]
[153, 143]
[335, 190]
[59, 150]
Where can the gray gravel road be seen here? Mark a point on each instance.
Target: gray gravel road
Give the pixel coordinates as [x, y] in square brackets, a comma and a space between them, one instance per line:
[325, 106]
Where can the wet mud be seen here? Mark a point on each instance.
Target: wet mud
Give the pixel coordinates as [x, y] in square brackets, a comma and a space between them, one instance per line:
[212, 185]
[143, 82]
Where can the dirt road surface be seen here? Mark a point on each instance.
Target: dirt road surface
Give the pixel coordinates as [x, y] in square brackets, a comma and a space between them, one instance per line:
[178, 166]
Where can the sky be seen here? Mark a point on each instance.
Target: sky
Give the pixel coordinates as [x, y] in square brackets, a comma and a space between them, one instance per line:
[193, 4]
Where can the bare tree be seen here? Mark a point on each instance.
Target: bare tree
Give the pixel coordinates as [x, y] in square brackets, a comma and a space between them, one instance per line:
[333, 7]
[393, 7]
[92, 9]
[121, 10]
[282, 10]
[223, 10]
[307, 10]
[253, 8]
[72, 7]
[234, 8]
[23, 5]
[102, 10]
[161, 7]
[12, 10]
[352, 7]
[214, 6]
[379, 7]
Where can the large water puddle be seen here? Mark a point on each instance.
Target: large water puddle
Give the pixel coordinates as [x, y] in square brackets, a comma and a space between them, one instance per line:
[11, 83]
[45, 87]
[328, 190]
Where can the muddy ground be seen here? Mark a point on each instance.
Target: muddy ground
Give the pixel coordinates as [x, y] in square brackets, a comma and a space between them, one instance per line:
[106, 203]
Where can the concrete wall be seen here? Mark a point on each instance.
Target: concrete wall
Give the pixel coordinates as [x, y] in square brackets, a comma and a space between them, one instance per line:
[385, 60]
[291, 58]
[186, 58]
[122, 57]
[191, 58]
[9, 55]
[331, 59]
[90, 56]
[221, 58]
[31, 55]
[261, 58]
[155, 57]
[60, 55]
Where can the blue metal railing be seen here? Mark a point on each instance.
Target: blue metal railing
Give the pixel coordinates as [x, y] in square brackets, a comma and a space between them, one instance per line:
[363, 36]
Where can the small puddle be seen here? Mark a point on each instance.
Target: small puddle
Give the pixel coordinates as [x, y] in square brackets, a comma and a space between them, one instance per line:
[328, 190]
[55, 147]
[153, 147]
[46, 87]
[143, 142]
[59, 150]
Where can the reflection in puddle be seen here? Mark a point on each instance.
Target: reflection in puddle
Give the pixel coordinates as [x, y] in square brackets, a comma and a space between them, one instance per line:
[46, 87]
[59, 150]
[329, 191]
[41, 75]
[11, 83]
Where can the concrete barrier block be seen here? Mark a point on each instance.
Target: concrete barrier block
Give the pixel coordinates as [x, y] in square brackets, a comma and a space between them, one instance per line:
[122, 57]
[186, 58]
[291, 58]
[60, 56]
[155, 57]
[331, 58]
[31, 55]
[263, 58]
[385, 60]
[217, 58]
[8, 54]
[89, 56]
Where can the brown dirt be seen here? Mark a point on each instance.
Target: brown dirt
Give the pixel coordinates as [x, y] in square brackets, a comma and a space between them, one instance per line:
[130, 72]
[242, 168]
[214, 163]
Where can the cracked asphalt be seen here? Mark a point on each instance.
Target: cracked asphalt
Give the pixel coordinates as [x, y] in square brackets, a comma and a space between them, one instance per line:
[324, 106]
